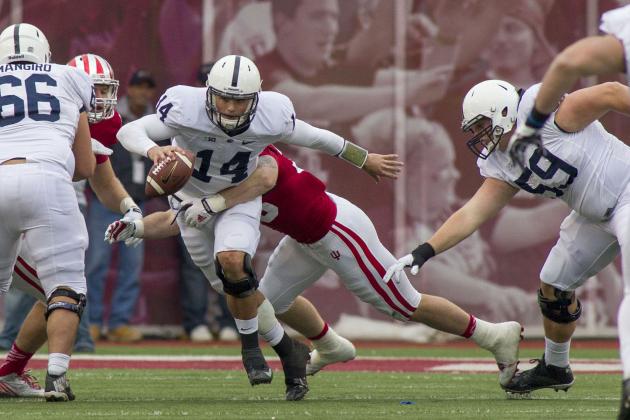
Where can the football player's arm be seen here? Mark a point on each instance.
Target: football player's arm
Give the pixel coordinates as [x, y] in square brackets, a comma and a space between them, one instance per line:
[84, 160]
[584, 106]
[592, 56]
[156, 225]
[262, 180]
[489, 199]
[139, 137]
[110, 190]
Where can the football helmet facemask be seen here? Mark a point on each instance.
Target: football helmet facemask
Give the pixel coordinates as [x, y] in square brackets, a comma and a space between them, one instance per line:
[105, 85]
[490, 110]
[23, 42]
[233, 77]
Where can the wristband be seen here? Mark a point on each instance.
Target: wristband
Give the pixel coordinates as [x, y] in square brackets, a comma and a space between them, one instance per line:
[214, 203]
[128, 203]
[423, 252]
[536, 119]
[353, 154]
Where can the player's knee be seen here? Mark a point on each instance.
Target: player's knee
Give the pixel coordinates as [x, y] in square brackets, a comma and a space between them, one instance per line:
[231, 264]
[241, 287]
[561, 307]
[66, 299]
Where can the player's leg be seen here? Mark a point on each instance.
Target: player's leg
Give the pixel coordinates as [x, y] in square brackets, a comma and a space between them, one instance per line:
[621, 226]
[583, 249]
[361, 263]
[290, 271]
[15, 381]
[57, 237]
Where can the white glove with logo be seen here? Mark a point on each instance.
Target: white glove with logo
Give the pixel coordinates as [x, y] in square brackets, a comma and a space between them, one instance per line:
[99, 149]
[200, 211]
[130, 231]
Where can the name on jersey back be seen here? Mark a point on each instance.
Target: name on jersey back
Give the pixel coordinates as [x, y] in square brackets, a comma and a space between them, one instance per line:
[25, 66]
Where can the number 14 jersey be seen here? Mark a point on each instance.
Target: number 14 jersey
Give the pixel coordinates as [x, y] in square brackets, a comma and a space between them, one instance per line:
[39, 111]
[588, 169]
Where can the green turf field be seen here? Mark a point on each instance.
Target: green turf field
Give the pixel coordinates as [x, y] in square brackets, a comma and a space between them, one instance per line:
[216, 394]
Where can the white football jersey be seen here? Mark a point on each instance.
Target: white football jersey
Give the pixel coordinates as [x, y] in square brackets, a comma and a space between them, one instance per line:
[616, 22]
[588, 170]
[39, 111]
[222, 161]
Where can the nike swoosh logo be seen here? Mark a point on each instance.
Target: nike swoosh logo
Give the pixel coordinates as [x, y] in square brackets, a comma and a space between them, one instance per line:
[248, 142]
[246, 329]
[167, 177]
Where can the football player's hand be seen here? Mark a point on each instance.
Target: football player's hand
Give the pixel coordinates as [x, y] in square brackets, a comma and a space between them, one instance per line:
[198, 212]
[523, 137]
[382, 165]
[99, 148]
[415, 260]
[159, 153]
[132, 215]
[130, 231]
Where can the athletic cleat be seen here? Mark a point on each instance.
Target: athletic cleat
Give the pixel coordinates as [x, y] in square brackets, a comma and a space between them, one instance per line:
[541, 376]
[258, 371]
[505, 349]
[343, 352]
[624, 411]
[294, 366]
[296, 389]
[58, 388]
[22, 385]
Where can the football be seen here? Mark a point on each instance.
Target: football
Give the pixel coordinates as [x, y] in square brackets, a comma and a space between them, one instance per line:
[169, 175]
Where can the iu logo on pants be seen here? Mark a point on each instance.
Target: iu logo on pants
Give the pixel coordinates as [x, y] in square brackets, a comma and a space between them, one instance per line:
[335, 255]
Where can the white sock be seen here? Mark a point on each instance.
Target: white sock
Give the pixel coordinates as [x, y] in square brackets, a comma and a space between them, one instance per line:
[268, 326]
[58, 363]
[246, 326]
[327, 342]
[557, 354]
[482, 335]
[623, 324]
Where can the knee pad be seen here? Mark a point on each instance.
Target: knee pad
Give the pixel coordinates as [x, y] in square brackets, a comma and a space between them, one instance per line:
[243, 287]
[72, 307]
[558, 310]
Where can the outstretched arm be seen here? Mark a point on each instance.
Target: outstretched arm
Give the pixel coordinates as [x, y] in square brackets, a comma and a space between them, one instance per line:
[489, 199]
[139, 137]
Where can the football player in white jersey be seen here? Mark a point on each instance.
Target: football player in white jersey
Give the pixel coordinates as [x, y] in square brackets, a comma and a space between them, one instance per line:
[46, 144]
[584, 165]
[604, 54]
[104, 122]
[227, 125]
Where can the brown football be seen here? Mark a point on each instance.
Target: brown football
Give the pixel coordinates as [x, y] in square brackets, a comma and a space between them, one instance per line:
[169, 175]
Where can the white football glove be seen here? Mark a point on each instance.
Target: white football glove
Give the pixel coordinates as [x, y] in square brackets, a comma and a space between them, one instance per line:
[395, 269]
[134, 214]
[200, 211]
[99, 148]
[130, 231]
[520, 141]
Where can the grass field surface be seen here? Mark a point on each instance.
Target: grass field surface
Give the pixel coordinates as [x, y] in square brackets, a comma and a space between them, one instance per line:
[391, 393]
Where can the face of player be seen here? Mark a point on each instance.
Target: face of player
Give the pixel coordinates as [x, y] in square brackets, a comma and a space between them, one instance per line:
[103, 92]
[232, 108]
[513, 46]
[312, 31]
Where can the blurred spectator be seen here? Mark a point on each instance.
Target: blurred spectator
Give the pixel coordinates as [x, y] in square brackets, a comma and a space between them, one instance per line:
[196, 295]
[131, 170]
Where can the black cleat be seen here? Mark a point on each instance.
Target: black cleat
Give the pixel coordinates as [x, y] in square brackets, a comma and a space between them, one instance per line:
[541, 376]
[57, 388]
[294, 366]
[258, 371]
[624, 411]
[297, 389]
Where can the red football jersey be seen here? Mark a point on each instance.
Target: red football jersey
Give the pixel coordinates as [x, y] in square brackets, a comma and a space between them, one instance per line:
[105, 132]
[298, 205]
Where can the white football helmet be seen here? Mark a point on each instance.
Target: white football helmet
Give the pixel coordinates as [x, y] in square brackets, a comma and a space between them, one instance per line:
[102, 76]
[494, 102]
[23, 42]
[233, 77]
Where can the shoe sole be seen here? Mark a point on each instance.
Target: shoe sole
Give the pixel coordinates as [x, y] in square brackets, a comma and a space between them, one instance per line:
[261, 378]
[507, 372]
[559, 387]
[54, 396]
[310, 371]
[298, 397]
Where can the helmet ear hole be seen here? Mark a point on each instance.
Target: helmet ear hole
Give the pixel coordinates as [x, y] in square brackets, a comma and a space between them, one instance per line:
[504, 112]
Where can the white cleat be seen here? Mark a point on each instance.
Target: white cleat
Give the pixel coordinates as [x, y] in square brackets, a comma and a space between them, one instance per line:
[20, 386]
[505, 349]
[344, 351]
